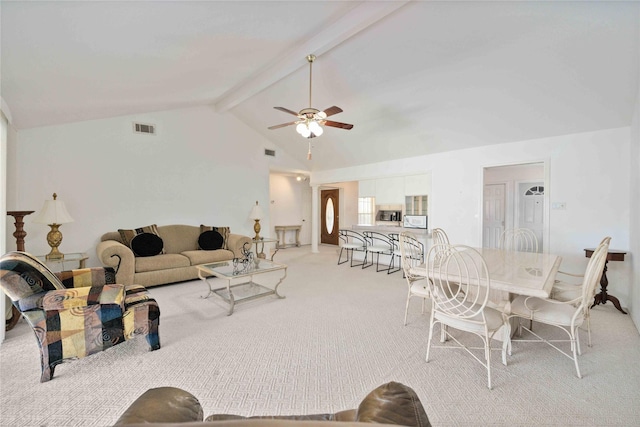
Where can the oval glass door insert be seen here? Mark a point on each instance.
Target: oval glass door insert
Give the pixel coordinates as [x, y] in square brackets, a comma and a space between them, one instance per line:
[329, 216]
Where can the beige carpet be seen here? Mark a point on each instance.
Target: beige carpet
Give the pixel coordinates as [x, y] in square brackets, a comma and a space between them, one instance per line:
[337, 335]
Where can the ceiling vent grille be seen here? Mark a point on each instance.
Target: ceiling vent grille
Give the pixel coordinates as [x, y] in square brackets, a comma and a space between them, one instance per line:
[144, 128]
[268, 152]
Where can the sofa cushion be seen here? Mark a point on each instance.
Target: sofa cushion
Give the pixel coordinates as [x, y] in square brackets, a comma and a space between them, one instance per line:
[224, 231]
[205, 257]
[128, 235]
[210, 240]
[146, 244]
[161, 262]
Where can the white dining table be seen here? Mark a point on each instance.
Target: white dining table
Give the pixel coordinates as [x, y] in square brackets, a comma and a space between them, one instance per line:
[519, 273]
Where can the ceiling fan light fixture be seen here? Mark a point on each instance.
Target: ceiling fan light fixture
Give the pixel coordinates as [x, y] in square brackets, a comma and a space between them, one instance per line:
[315, 128]
[310, 121]
[303, 130]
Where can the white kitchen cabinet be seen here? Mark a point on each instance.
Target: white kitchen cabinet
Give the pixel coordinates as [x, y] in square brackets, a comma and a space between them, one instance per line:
[367, 188]
[390, 190]
[417, 184]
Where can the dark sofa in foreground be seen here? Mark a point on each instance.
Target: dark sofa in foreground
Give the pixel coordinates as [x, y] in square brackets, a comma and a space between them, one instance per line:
[392, 403]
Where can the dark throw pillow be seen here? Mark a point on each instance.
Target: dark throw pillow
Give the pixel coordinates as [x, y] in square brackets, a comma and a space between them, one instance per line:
[210, 240]
[146, 244]
[224, 231]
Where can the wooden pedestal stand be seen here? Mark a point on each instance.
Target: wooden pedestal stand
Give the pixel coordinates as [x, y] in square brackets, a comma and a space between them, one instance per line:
[19, 234]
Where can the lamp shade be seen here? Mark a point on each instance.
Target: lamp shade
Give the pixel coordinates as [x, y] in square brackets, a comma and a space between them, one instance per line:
[256, 212]
[53, 212]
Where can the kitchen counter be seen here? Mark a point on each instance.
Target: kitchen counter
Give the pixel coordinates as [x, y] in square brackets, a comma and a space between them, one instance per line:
[385, 229]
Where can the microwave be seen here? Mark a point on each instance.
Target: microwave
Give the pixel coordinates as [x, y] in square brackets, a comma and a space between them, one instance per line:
[415, 221]
[389, 215]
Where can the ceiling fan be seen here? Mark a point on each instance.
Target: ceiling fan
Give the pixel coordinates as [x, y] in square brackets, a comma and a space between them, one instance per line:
[310, 120]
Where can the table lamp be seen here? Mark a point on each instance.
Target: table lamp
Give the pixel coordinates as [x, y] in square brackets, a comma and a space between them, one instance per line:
[53, 213]
[256, 215]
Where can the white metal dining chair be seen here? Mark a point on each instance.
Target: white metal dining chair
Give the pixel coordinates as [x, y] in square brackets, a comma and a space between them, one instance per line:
[459, 286]
[439, 237]
[351, 241]
[518, 239]
[566, 316]
[571, 292]
[412, 255]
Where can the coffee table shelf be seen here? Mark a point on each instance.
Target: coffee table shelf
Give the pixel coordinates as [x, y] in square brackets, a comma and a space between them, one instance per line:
[248, 289]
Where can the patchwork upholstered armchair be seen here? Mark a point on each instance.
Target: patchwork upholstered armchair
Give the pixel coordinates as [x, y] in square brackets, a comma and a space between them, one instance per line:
[76, 313]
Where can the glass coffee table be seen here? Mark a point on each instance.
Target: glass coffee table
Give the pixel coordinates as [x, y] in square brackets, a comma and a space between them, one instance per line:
[240, 277]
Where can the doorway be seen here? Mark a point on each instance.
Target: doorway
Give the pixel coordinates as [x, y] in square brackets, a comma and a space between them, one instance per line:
[514, 197]
[329, 216]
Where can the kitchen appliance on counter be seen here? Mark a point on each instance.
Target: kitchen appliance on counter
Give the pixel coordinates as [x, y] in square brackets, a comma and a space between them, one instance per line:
[415, 221]
[391, 216]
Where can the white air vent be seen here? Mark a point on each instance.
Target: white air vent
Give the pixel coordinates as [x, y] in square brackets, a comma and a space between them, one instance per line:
[144, 128]
[268, 152]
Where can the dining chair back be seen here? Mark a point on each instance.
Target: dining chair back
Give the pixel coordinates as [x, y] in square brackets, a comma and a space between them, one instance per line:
[518, 239]
[460, 285]
[567, 316]
[412, 255]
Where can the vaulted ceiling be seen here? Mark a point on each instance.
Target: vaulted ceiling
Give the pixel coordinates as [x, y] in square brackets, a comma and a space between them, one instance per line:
[414, 77]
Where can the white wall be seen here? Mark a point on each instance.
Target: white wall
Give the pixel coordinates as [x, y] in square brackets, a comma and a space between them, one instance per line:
[289, 198]
[589, 171]
[201, 168]
[634, 196]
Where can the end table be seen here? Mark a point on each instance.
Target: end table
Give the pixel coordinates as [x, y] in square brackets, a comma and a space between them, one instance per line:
[603, 296]
[69, 262]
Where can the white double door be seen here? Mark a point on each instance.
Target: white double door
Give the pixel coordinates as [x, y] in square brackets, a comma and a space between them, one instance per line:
[525, 209]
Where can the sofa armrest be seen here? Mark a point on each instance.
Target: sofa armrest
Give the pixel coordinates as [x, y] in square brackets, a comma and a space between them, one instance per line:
[235, 243]
[121, 258]
[87, 277]
[393, 403]
[162, 405]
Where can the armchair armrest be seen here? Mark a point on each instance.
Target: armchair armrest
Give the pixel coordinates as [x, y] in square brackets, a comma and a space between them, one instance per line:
[235, 242]
[118, 256]
[87, 277]
[64, 299]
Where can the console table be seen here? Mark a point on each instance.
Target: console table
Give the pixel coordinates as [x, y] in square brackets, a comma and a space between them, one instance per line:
[281, 231]
[603, 296]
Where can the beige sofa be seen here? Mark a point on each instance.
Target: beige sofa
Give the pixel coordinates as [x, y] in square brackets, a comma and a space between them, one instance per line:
[177, 263]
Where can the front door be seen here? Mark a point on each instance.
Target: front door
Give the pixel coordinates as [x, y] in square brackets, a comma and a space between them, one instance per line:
[531, 208]
[330, 217]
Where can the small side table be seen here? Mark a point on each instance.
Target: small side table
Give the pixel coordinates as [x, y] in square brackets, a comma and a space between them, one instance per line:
[69, 262]
[260, 246]
[603, 296]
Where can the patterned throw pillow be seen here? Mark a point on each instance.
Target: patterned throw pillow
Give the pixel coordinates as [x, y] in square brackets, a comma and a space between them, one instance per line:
[224, 231]
[127, 236]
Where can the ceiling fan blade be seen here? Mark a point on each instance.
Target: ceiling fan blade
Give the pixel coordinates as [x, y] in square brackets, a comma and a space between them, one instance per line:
[332, 110]
[338, 124]
[281, 125]
[286, 110]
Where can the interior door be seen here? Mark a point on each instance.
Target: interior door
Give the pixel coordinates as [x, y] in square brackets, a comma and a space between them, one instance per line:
[330, 218]
[531, 208]
[494, 214]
